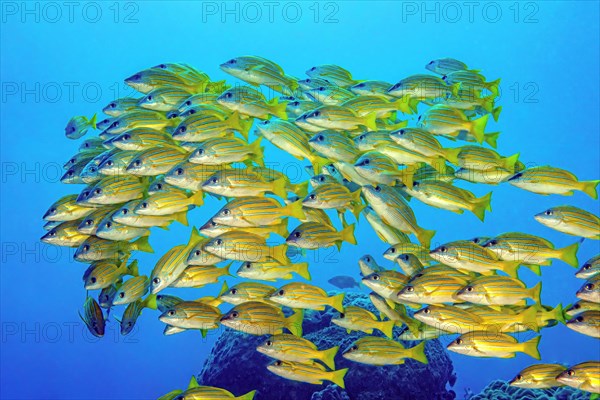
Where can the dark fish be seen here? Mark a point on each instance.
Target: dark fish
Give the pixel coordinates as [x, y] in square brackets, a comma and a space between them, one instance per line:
[93, 317]
[343, 282]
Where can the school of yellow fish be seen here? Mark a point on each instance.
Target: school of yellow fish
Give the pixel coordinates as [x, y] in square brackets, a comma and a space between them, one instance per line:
[185, 137]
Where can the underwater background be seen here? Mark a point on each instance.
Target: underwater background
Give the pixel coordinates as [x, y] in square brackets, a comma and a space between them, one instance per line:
[60, 59]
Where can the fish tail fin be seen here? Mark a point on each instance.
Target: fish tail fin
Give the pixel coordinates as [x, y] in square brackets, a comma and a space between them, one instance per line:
[247, 396]
[358, 205]
[487, 103]
[478, 127]
[413, 104]
[412, 325]
[150, 302]
[257, 152]
[407, 177]
[235, 122]
[317, 162]
[337, 377]
[337, 302]
[439, 164]
[94, 120]
[529, 318]
[424, 237]
[348, 234]
[496, 113]
[480, 205]
[530, 348]
[279, 109]
[295, 210]
[509, 162]
[559, 313]
[455, 89]
[536, 293]
[569, 254]
[370, 121]
[494, 87]
[328, 356]
[281, 228]
[418, 353]
[293, 323]
[181, 217]
[590, 188]
[224, 287]
[387, 327]
[492, 139]
[302, 270]
[142, 244]
[300, 189]
[279, 187]
[451, 154]
[197, 198]
[194, 236]
[397, 125]
[133, 268]
[279, 254]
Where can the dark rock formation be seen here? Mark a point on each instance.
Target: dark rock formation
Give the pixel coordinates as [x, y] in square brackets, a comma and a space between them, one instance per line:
[501, 390]
[234, 364]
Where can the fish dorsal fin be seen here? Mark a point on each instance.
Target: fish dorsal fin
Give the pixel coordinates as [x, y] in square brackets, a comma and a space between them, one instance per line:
[193, 383]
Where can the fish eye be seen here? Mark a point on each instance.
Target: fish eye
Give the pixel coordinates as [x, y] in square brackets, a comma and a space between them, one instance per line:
[197, 252]
[354, 348]
[278, 363]
[219, 242]
[228, 95]
[52, 233]
[469, 288]
[182, 129]
[109, 163]
[426, 310]
[214, 180]
[518, 377]
[548, 212]
[579, 318]
[392, 250]
[137, 163]
[342, 315]
[320, 138]
[459, 341]
[232, 61]
[577, 306]
[156, 280]
[493, 242]
[179, 171]
[297, 234]
[401, 132]
[321, 89]
[266, 122]
[368, 259]
[171, 313]
[589, 286]
[108, 224]
[124, 211]
[415, 183]
[144, 205]
[70, 173]
[235, 314]
[360, 85]
[93, 279]
[571, 372]
[121, 294]
[86, 247]
[248, 265]
[312, 197]
[378, 188]
[188, 103]
[149, 98]
[269, 343]
[213, 223]
[313, 69]
[200, 151]
[113, 105]
[116, 124]
[316, 113]
[52, 210]
[410, 289]
[126, 137]
[586, 267]
[233, 291]
[92, 169]
[293, 104]
[376, 277]
[361, 137]
[281, 292]
[89, 222]
[226, 211]
[321, 179]
[443, 249]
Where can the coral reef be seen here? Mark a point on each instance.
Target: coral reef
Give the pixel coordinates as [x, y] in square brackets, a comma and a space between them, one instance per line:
[235, 364]
[501, 390]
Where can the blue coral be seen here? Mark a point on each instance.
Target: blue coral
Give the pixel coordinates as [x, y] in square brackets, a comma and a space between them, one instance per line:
[501, 390]
[235, 364]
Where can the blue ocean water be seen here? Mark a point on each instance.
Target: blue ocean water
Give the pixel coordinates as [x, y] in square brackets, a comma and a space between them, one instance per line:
[60, 59]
